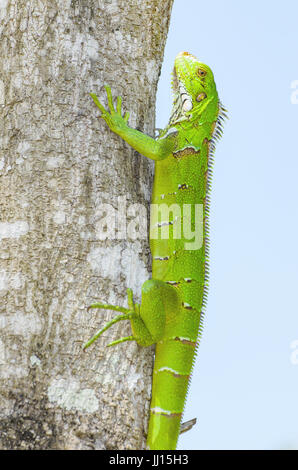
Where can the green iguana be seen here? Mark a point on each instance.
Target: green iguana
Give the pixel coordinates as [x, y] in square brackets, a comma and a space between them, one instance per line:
[173, 301]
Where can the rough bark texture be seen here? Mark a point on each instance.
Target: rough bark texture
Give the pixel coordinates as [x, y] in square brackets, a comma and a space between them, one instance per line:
[58, 162]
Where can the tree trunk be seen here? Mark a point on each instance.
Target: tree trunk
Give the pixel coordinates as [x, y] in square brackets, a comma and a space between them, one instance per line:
[59, 163]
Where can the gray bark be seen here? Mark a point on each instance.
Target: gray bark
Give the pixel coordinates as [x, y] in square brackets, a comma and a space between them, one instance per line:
[58, 163]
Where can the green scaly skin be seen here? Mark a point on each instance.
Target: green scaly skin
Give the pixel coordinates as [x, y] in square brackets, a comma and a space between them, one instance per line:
[173, 301]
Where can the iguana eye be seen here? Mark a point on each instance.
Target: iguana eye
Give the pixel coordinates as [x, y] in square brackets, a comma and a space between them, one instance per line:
[202, 73]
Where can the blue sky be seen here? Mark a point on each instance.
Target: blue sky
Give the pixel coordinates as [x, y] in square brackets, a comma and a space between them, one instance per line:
[244, 387]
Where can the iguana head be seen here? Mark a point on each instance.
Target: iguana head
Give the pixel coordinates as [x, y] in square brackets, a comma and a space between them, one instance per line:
[193, 86]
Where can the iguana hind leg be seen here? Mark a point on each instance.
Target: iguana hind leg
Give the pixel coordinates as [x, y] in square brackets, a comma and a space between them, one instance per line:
[148, 320]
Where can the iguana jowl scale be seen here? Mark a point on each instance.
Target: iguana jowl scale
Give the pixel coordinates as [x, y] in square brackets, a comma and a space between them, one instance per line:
[173, 301]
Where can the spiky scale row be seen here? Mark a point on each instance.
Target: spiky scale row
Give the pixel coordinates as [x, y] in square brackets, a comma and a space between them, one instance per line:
[174, 301]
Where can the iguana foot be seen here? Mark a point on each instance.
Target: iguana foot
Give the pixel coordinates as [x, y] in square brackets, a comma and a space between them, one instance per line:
[148, 320]
[141, 334]
[113, 117]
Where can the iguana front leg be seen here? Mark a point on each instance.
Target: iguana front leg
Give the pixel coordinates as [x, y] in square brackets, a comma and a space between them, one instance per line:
[142, 143]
